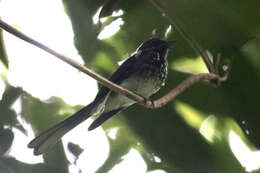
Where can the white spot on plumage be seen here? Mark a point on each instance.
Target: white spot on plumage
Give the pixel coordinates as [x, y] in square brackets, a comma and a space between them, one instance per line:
[138, 53]
[158, 56]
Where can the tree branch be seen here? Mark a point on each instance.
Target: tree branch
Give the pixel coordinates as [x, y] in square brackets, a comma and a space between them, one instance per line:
[184, 85]
[141, 100]
[192, 42]
[73, 63]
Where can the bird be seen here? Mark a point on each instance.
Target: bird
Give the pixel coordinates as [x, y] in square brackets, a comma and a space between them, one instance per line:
[143, 73]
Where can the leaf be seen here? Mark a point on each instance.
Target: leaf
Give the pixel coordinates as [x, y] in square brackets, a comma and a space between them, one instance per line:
[218, 26]
[3, 54]
[107, 8]
[6, 140]
[43, 115]
[7, 115]
[75, 149]
[214, 26]
[10, 95]
[8, 118]
[164, 132]
[11, 165]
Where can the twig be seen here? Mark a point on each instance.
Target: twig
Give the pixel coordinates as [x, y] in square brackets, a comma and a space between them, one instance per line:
[177, 25]
[184, 85]
[73, 63]
[141, 100]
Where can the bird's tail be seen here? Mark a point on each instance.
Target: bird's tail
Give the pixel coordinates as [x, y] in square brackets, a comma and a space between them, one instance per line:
[51, 136]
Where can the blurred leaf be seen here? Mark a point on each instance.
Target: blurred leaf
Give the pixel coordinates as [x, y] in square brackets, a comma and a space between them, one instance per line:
[8, 117]
[214, 26]
[3, 54]
[121, 140]
[6, 140]
[107, 8]
[75, 149]
[117, 47]
[56, 159]
[43, 115]
[81, 13]
[10, 95]
[11, 165]
[218, 26]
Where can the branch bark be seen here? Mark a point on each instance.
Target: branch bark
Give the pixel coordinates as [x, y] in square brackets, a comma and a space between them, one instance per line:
[139, 99]
[73, 63]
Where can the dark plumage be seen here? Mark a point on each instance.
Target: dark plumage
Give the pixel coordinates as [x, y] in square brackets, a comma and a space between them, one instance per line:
[144, 73]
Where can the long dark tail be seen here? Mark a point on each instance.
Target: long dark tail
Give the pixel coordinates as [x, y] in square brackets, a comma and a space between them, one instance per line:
[51, 136]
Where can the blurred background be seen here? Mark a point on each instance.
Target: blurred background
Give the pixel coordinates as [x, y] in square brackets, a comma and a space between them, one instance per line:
[204, 130]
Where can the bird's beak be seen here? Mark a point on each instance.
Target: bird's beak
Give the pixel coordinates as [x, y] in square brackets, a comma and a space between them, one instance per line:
[171, 43]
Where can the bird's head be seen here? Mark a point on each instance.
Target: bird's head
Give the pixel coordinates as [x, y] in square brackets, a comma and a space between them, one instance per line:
[155, 44]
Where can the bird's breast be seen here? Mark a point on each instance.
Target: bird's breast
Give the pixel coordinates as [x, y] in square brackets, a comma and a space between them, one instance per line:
[151, 78]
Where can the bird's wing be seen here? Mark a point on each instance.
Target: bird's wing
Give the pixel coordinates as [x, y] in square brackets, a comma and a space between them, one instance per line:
[103, 117]
[123, 72]
[130, 66]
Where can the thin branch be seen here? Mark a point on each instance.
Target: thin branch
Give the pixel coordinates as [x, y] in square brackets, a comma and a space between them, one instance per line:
[177, 25]
[184, 85]
[73, 63]
[141, 100]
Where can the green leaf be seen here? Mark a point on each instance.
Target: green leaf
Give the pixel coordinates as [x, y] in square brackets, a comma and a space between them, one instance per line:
[10, 95]
[107, 8]
[43, 115]
[6, 140]
[11, 165]
[3, 54]
[218, 26]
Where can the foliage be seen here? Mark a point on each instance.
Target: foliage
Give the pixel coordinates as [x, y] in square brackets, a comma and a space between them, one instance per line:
[174, 133]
